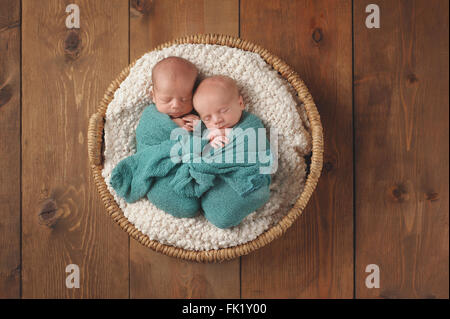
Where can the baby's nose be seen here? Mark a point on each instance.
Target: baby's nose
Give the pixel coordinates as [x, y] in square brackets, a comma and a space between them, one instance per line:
[176, 104]
[217, 120]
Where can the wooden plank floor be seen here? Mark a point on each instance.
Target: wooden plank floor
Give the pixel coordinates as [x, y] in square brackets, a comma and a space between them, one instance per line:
[315, 257]
[401, 120]
[10, 149]
[382, 198]
[64, 73]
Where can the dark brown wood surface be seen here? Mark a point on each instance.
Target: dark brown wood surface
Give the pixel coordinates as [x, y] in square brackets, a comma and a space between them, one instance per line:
[402, 134]
[64, 75]
[384, 204]
[315, 257]
[153, 275]
[10, 149]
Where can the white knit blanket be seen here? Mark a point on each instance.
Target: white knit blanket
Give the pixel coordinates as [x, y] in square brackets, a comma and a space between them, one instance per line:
[266, 94]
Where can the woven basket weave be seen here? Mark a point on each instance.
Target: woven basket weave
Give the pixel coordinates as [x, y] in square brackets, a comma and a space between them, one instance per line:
[96, 147]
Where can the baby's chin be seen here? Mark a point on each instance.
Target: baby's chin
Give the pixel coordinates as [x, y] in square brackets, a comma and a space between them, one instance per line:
[177, 115]
[180, 114]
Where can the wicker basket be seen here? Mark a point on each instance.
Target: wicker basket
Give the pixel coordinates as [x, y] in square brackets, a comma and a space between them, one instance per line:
[96, 147]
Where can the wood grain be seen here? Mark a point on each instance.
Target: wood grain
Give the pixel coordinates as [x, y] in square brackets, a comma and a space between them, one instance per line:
[10, 149]
[402, 153]
[64, 74]
[153, 275]
[314, 259]
[153, 22]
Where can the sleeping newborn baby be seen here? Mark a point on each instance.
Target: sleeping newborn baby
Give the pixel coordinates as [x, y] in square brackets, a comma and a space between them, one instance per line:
[221, 108]
[173, 80]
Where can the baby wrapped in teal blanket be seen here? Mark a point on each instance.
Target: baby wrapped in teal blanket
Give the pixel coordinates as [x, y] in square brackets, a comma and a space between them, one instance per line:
[173, 174]
[226, 174]
[139, 176]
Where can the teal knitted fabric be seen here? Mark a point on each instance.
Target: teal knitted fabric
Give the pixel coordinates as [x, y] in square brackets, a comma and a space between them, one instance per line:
[224, 208]
[183, 165]
[129, 178]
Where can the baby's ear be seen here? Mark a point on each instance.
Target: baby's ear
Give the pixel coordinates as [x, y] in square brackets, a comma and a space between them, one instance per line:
[241, 102]
[151, 94]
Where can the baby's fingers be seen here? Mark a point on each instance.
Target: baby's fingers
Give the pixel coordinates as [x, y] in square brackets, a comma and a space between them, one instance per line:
[216, 143]
[223, 139]
[191, 117]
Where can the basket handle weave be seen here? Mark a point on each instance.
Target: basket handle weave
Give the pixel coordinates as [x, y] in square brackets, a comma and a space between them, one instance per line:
[95, 139]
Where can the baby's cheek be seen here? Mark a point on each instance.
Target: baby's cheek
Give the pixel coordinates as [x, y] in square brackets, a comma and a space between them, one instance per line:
[189, 107]
[237, 117]
[159, 106]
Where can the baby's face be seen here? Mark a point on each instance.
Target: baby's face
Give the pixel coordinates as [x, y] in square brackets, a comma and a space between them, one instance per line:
[219, 108]
[173, 96]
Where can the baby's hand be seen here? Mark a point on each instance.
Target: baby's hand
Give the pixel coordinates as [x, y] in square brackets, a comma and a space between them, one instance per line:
[218, 137]
[187, 122]
[190, 121]
[219, 141]
[179, 122]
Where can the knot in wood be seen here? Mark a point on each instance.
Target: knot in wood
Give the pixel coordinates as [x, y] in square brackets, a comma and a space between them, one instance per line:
[432, 196]
[47, 214]
[399, 193]
[328, 166]
[140, 7]
[72, 44]
[5, 94]
[317, 35]
[412, 78]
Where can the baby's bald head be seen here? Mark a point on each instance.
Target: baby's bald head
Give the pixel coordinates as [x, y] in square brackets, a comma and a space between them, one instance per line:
[218, 102]
[172, 68]
[173, 80]
[219, 83]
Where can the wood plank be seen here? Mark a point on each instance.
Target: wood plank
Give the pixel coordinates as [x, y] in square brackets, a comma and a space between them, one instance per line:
[314, 259]
[153, 275]
[402, 152]
[65, 74]
[10, 149]
[155, 22]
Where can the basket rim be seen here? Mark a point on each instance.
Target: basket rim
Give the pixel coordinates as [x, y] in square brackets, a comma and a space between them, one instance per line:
[95, 144]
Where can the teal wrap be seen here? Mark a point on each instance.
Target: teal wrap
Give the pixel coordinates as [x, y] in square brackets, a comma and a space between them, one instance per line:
[178, 171]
